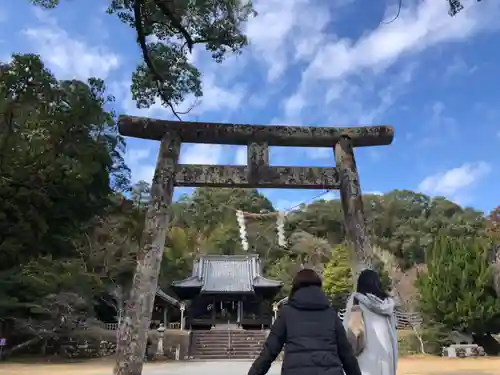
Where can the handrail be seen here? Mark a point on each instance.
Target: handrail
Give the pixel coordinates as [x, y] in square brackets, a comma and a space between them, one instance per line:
[229, 343]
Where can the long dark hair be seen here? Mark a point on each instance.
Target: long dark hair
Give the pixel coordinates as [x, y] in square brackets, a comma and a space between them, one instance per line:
[305, 277]
[369, 283]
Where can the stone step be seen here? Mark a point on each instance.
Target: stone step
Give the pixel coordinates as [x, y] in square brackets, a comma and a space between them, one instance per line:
[214, 344]
[208, 357]
[225, 334]
[223, 339]
[226, 340]
[250, 339]
[212, 341]
[225, 343]
[225, 348]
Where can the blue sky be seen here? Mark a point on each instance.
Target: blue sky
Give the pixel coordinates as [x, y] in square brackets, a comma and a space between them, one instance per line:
[434, 78]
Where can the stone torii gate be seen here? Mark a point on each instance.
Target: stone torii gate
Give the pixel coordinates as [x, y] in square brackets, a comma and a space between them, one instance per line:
[256, 174]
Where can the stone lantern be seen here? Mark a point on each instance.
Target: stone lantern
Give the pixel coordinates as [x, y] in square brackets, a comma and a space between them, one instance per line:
[161, 331]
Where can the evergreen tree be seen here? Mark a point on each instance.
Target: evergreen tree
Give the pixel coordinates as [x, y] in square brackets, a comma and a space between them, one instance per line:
[337, 276]
[457, 289]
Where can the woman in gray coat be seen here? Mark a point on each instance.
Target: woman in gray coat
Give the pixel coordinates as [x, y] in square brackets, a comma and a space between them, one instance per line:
[310, 330]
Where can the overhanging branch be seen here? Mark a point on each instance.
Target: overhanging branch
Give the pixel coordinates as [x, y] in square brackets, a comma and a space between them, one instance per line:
[159, 80]
[175, 23]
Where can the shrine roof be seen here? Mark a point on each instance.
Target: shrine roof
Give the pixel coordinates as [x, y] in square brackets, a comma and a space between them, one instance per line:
[227, 274]
[167, 298]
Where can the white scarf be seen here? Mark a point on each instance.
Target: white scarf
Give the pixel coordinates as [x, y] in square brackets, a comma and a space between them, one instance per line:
[380, 307]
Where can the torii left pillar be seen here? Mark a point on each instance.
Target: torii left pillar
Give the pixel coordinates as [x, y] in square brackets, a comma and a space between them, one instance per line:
[134, 328]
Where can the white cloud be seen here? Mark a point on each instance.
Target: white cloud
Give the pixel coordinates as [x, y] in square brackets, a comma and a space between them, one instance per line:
[321, 153]
[241, 156]
[331, 195]
[455, 182]
[420, 25]
[287, 205]
[293, 105]
[201, 154]
[68, 56]
[4, 16]
[459, 66]
[285, 32]
[141, 163]
[216, 98]
[343, 79]
[375, 192]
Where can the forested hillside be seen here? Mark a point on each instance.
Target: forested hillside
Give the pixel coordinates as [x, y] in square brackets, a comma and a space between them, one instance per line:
[70, 223]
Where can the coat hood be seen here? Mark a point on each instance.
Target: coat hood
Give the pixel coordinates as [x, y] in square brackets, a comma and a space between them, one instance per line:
[375, 304]
[309, 298]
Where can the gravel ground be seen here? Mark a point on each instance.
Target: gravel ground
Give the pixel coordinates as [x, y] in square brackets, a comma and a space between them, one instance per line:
[407, 366]
[421, 366]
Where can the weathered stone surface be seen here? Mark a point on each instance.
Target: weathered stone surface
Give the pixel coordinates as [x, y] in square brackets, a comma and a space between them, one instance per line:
[236, 134]
[133, 331]
[257, 160]
[352, 203]
[269, 177]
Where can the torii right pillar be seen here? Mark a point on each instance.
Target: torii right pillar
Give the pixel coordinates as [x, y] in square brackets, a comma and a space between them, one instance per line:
[352, 205]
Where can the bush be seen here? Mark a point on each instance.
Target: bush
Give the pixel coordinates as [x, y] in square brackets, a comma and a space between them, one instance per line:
[408, 343]
[457, 289]
[434, 339]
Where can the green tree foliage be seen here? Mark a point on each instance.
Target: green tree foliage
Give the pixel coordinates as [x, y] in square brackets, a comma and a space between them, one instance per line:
[284, 269]
[68, 237]
[457, 289]
[167, 32]
[62, 173]
[183, 245]
[337, 276]
[60, 157]
[493, 225]
[456, 6]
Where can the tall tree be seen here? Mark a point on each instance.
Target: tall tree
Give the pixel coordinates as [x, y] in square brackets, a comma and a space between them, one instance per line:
[60, 157]
[337, 276]
[493, 224]
[167, 32]
[457, 289]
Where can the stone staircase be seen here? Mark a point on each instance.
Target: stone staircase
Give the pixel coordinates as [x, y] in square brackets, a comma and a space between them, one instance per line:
[226, 344]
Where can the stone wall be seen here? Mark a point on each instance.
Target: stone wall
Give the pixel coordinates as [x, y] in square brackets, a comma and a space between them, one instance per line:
[92, 348]
[174, 339]
[101, 343]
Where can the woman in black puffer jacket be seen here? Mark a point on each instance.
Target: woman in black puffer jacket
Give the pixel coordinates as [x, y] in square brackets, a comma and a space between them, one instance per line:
[312, 333]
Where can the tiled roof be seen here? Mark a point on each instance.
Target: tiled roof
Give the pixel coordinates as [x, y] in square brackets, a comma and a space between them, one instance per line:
[227, 274]
[164, 296]
[261, 281]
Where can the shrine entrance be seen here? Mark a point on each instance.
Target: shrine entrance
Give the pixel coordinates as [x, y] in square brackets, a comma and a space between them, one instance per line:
[226, 311]
[258, 173]
[228, 289]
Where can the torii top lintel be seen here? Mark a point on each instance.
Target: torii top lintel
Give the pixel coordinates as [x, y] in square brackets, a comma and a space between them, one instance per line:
[237, 134]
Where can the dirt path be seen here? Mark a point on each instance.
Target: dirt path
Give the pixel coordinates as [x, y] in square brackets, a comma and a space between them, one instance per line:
[407, 366]
[448, 366]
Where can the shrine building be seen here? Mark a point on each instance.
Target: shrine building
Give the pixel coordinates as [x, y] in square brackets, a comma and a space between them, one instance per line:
[227, 290]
